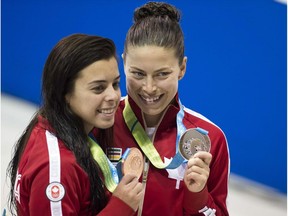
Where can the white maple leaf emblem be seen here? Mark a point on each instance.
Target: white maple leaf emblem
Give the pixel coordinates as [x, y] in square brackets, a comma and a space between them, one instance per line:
[177, 173]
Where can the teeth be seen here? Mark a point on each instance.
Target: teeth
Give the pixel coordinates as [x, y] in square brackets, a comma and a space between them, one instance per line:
[150, 100]
[107, 111]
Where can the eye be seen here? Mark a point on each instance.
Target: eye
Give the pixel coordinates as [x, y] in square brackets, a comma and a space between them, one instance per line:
[138, 74]
[116, 85]
[162, 75]
[98, 89]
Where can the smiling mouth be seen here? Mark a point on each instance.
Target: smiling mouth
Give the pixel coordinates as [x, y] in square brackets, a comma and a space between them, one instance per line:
[106, 111]
[150, 100]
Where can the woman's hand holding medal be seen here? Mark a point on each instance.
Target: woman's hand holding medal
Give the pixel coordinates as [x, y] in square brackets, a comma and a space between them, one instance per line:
[129, 190]
[197, 172]
[195, 146]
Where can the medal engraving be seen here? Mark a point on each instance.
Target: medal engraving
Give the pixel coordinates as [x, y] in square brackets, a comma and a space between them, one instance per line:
[134, 163]
[193, 141]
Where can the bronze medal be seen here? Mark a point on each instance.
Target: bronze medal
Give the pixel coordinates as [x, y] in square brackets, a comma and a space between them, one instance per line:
[193, 141]
[134, 163]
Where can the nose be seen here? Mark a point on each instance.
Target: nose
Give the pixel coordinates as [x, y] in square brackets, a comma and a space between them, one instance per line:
[149, 85]
[112, 94]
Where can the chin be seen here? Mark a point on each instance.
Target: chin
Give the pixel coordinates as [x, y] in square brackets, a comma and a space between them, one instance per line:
[106, 125]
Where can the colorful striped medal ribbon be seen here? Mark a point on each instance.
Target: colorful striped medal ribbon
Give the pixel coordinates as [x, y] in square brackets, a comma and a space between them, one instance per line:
[146, 144]
[130, 162]
[111, 179]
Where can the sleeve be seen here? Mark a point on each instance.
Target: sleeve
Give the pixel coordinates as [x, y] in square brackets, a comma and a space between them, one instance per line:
[38, 201]
[117, 207]
[54, 184]
[212, 199]
[64, 197]
[74, 187]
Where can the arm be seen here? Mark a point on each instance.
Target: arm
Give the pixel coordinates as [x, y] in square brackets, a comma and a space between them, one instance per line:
[116, 206]
[74, 186]
[207, 183]
[126, 197]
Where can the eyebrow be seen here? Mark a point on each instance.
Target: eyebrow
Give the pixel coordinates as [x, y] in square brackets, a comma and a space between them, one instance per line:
[160, 69]
[102, 81]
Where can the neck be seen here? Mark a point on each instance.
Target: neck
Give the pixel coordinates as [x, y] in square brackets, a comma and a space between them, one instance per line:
[152, 120]
[88, 129]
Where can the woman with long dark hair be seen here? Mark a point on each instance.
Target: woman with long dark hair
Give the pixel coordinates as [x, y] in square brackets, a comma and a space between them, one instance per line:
[53, 171]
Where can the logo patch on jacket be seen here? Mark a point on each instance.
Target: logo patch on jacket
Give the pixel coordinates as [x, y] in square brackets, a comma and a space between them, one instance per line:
[55, 191]
[17, 187]
[114, 154]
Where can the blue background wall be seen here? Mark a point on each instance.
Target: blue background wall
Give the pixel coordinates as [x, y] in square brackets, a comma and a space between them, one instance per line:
[236, 73]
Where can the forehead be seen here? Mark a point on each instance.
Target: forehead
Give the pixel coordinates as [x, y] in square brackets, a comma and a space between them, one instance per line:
[143, 55]
[100, 70]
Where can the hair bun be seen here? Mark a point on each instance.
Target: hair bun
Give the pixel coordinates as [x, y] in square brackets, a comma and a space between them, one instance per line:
[157, 9]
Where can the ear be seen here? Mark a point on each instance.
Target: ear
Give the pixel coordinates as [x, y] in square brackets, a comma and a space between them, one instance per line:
[183, 68]
[123, 58]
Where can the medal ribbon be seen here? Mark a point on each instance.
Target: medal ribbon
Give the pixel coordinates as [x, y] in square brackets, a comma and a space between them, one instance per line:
[110, 174]
[144, 141]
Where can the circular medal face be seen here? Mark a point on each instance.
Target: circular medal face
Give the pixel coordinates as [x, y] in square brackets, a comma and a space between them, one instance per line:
[134, 163]
[193, 141]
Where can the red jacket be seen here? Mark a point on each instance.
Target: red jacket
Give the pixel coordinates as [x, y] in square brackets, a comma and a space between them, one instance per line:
[161, 195]
[50, 182]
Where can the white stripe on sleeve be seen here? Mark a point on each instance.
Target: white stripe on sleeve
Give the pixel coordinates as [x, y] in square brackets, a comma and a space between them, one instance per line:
[54, 169]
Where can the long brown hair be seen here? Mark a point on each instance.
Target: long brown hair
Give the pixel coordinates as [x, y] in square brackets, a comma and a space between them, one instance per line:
[69, 56]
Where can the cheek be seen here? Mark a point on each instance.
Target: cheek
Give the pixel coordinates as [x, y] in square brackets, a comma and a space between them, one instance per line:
[89, 101]
[170, 85]
[133, 84]
[88, 107]
[119, 95]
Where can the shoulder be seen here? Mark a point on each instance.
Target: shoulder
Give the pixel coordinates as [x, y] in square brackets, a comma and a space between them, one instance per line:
[44, 148]
[196, 119]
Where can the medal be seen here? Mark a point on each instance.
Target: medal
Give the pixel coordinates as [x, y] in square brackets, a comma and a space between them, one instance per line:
[192, 141]
[133, 163]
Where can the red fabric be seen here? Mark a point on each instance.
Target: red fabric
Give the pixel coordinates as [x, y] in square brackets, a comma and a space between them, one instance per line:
[161, 195]
[34, 171]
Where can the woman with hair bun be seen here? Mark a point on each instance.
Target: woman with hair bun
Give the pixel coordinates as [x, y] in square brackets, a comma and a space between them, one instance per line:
[152, 118]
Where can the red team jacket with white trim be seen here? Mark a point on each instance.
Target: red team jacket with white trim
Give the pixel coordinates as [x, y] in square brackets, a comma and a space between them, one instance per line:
[161, 195]
[50, 182]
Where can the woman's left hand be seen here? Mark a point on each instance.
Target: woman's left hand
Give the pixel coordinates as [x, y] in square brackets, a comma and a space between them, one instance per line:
[197, 172]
